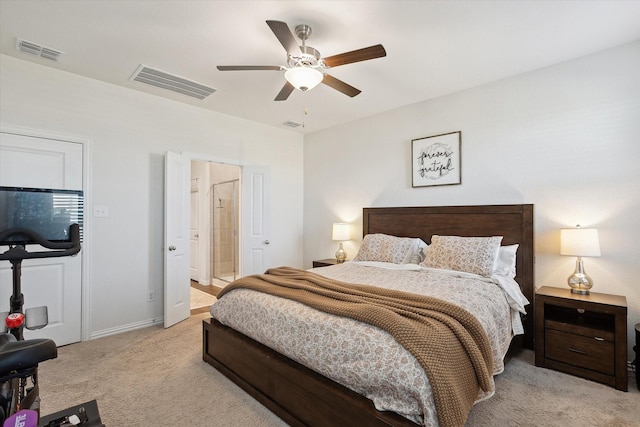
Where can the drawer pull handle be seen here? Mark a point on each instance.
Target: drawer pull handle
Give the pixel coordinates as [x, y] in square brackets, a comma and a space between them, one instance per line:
[599, 338]
[577, 351]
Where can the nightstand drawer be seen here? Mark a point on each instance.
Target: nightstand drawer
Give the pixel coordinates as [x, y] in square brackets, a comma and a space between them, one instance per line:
[582, 351]
[578, 329]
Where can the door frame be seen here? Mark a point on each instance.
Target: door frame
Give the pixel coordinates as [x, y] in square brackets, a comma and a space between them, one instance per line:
[244, 265]
[243, 222]
[85, 274]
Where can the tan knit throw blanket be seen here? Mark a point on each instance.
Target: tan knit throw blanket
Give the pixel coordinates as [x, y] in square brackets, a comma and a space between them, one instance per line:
[447, 340]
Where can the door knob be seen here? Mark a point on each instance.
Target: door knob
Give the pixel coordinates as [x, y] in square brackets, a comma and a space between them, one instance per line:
[266, 242]
[172, 248]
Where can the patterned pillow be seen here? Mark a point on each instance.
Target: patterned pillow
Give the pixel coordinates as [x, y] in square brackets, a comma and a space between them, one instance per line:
[475, 255]
[384, 248]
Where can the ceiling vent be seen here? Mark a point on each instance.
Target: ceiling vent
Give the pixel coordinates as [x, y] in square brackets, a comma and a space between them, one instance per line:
[292, 124]
[170, 82]
[38, 50]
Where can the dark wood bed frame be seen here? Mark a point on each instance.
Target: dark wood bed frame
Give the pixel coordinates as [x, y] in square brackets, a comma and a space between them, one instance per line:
[302, 397]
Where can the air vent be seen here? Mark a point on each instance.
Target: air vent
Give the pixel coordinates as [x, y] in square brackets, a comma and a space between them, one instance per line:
[170, 82]
[38, 50]
[292, 124]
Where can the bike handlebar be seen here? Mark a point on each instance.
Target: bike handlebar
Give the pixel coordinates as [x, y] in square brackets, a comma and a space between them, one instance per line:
[61, 249]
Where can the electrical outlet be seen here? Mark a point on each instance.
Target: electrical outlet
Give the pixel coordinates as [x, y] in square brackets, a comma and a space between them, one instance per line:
[151, 296]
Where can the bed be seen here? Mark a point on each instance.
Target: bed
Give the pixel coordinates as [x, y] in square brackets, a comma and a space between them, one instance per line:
[301, 396]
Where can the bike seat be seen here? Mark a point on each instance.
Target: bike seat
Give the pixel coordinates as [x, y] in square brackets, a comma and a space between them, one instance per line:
[18, 355]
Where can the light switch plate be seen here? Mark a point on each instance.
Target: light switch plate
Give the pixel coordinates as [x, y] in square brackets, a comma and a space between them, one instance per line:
[100, 211]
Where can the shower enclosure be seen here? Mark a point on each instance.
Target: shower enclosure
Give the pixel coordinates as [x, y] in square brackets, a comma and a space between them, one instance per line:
[224, 220]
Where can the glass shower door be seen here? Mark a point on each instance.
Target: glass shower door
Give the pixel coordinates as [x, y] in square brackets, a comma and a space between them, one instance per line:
[225, 236]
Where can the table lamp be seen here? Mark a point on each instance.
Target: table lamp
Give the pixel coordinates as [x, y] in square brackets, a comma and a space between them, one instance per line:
[579, 242]
[341, 233]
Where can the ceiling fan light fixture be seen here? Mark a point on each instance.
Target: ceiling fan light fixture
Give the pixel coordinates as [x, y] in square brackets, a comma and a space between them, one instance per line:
[303, 78]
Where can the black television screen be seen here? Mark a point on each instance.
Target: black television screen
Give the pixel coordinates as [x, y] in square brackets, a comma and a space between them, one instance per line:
[45, 211]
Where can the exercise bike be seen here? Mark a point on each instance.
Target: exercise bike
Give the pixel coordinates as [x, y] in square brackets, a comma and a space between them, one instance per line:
[19, 358]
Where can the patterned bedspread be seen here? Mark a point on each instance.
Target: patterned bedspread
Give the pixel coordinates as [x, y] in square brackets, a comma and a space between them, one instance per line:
[359, 356]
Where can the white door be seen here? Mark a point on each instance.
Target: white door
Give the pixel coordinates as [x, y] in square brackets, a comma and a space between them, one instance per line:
[36, 162]
[256, 220]
[177, 202]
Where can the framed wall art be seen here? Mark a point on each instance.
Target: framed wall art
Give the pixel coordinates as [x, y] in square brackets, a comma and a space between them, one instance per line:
[435, 160]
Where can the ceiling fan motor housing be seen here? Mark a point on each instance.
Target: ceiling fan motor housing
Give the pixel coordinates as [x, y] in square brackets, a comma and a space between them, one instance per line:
[309, 57]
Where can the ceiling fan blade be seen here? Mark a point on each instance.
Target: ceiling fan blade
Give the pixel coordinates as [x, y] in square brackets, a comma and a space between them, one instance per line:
[284, 92]
[285, 36]
[363, 54]
[340, 86]
[249, 67]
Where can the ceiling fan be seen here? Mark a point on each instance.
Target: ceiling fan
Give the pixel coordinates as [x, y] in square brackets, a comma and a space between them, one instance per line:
[305, 67]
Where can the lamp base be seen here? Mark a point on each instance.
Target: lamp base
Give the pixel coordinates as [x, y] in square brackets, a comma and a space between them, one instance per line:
[341, 255]
[579, 281]
[580, 291]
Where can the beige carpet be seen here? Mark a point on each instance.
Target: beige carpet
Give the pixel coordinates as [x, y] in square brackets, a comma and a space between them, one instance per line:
[200, 299]
[156, 377]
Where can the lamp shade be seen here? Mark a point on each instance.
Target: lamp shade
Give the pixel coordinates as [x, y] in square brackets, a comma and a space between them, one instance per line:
[303, 78]
[579, 242]
[341, 231]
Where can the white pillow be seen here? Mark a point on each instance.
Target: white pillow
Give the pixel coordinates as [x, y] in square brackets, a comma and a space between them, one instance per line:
[417, 253]
[475, 255]
[384, 248]
[506, 261]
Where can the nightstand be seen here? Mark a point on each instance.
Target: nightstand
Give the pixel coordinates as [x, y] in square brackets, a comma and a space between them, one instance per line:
[325, 262]
[583, 335]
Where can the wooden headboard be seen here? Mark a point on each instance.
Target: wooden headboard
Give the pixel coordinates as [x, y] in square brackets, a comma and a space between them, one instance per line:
[513, 222]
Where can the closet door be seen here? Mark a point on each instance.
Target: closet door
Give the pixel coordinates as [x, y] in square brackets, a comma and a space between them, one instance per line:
[36, 162]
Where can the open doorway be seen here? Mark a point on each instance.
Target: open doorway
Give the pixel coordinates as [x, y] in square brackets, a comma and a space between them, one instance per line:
[254, 229]
[214, 230]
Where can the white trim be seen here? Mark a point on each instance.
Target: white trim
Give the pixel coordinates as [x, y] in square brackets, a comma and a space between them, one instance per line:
[88, 227]
[85, 253]
[209, 158]
[126, 328]
[39, 133]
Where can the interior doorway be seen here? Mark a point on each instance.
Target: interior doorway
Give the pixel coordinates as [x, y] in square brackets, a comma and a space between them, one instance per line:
[214, 235]
[254, 229]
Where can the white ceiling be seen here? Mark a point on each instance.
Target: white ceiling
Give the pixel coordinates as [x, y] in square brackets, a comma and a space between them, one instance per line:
[433, 47]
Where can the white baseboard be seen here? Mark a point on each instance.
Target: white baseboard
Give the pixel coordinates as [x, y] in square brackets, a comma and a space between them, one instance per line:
[127, 328]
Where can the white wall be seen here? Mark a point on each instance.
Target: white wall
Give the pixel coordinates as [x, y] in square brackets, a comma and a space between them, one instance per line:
[130, 132]
[565, 138]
